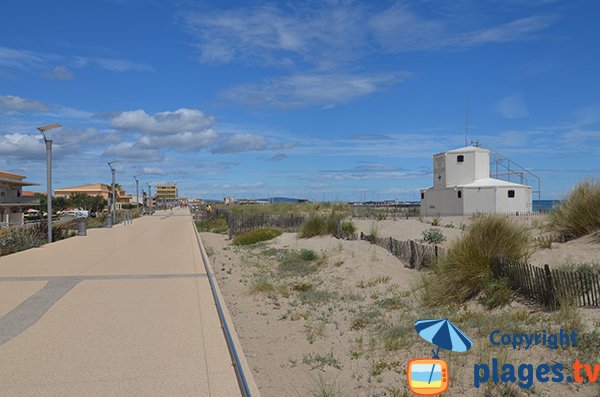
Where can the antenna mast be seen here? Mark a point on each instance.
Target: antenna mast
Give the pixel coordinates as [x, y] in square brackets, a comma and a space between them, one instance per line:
[467, 121]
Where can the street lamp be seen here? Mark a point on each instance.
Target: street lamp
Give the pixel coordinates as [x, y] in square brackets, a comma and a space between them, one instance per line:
[150, 195]
[137, 192]
[42, 131]
[114, 197]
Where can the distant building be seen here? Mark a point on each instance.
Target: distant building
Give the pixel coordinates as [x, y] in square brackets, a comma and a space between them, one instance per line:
[12, 199]
[97, 189]
[166, 193]
[462, 186]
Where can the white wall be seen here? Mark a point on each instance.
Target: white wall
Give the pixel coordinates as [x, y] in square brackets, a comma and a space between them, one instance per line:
[521, 203]
[439, 170]
[441, 202]
[479, 200]
[476, 165]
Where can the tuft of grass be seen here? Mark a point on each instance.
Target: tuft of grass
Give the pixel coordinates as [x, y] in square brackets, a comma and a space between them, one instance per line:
[213, 225]
[364, 319]
[261, 285]
[303, 286]
[320, 361]
[579, 213]
[256, 236]
[326, 388]
[315, 297]
[297, 263]
[496, 293]
[465, 269]
[436, 221]
[308, 255]
[348, 228]
[318, 225]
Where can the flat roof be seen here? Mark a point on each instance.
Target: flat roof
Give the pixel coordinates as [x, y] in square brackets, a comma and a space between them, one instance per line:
[491, 182]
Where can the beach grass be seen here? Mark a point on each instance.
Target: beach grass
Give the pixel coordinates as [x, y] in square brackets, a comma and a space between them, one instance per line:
[465, 270]
[579, 213]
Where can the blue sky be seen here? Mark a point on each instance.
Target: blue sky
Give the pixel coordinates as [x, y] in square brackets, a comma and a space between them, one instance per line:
[326, 100]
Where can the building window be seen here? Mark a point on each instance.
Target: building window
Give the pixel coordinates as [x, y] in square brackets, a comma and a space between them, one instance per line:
[511, 194]
[460, 194]
[460, 158]
[422, 196]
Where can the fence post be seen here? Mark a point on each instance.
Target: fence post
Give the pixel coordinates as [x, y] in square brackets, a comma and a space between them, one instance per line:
[550, 295]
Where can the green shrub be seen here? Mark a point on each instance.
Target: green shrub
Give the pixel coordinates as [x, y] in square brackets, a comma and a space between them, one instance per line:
[256, 236]
[308, 255]
[433, 236]
[579, 213]
[261, 285]
[435, 221]
[465, 269]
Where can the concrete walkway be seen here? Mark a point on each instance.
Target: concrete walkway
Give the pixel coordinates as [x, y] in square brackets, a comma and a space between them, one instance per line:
[126, 311]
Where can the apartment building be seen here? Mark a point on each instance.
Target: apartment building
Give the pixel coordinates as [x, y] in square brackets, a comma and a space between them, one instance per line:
[12, 200]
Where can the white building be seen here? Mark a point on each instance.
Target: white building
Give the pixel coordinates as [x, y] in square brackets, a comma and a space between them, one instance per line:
[462, 186]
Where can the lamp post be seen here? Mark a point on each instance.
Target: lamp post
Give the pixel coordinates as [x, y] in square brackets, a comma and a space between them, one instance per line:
[48, 142]
[137, 192]
[150, 196]
[114, 197]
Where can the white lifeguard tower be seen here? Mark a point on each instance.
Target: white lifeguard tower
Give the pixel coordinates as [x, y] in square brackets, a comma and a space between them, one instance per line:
[462, 186]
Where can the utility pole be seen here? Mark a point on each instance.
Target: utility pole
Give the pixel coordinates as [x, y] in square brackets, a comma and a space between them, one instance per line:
[114, 196]
[48, 142]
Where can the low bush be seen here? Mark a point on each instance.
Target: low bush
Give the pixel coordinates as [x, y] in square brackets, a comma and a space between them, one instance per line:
[256, 236]
[465, 269]
[579, 213]
[433, 236]
[297, 263]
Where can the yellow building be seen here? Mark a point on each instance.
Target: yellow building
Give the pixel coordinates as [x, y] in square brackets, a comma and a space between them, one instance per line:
[97, 189]
[166, 193]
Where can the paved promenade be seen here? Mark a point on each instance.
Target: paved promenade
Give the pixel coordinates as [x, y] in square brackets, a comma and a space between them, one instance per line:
[126, 311]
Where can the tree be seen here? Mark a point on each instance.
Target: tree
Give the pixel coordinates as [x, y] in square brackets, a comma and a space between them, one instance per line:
[87, 202]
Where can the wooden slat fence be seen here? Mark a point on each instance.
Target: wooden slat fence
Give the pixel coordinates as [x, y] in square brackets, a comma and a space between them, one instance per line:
[414, 254]
[549, 286]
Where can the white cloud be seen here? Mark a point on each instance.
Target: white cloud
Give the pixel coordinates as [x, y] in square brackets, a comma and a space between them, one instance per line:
[164, 122]
[183, 141]
[153, 171]
[326, 35]
[313, 89]
[130, 151]
[59, 73]
[20, 59]
[14, 103]
[113, 64]
[237, 143]
[22, 147]
[512, 107]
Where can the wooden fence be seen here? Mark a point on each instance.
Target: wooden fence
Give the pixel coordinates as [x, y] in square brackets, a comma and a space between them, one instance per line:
[548, 286]
[242, 222]
[414, 254]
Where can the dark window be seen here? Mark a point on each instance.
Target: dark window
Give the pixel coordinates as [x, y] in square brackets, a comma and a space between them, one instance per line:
[460, 158]
[460, 194]
[422, 196]
[511, 194]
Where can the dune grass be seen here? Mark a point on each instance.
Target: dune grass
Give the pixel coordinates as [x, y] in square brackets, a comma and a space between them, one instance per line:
[213, 225]
[256, 236]
[579, 213]
[320, 226]
[465, 270]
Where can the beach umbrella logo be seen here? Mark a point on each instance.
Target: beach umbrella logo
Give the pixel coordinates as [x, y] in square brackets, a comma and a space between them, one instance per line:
[429, 376]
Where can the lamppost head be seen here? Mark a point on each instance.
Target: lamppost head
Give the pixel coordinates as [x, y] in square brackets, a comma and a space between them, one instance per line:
[45, 128]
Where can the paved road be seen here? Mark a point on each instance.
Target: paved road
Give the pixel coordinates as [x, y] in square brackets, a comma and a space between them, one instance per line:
[125, 311]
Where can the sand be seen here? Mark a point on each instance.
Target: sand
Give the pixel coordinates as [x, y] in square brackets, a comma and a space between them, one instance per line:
[297, 348]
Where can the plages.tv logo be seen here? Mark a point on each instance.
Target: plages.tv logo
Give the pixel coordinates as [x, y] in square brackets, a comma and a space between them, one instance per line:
[429, 376]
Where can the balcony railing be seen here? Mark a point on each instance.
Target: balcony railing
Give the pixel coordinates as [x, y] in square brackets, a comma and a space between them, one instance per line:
[19, 200]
